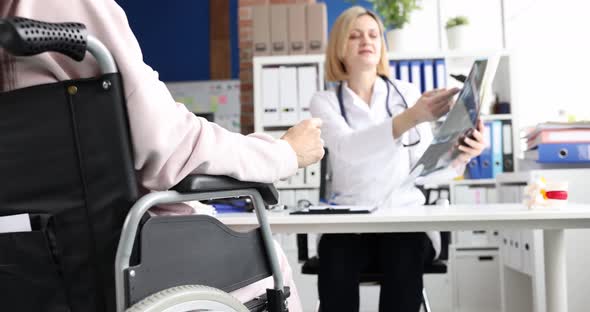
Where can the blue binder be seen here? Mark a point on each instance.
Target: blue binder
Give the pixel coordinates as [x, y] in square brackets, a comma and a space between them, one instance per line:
[485, 159]
[562, 153]
[497, 159]
[473, 168]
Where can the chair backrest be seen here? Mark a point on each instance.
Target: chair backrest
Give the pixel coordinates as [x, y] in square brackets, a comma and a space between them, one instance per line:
[325, 177]
[65, 153]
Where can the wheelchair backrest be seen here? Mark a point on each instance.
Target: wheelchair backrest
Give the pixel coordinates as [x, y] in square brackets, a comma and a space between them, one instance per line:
[66, 161]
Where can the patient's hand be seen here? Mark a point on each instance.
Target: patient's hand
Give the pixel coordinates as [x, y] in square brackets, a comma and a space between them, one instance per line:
[305, 140]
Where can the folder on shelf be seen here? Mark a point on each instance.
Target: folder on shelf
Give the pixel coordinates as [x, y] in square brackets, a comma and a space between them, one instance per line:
[307, 86]
[279, 40]
[427, 75]
[312, 175]
[440, 74]
[261, 30]
[317, 28]
[297, 28]
[497, 161]
[287, 198]
[393, 70]
[415, 75]
[560, 153]
[404, 71]
[270, 96]
[507, 153]
[485, 159]
[574, 135]
[288, 95]
[298, 180]
[474, 169]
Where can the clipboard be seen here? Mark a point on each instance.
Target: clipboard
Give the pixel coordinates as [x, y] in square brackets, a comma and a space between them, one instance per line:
[334, 209]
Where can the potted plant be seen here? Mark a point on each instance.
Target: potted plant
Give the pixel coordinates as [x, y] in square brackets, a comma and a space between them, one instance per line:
[456, 30]
[395, 15]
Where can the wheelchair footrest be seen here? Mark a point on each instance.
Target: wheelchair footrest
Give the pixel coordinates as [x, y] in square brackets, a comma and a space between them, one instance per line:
[273, 301]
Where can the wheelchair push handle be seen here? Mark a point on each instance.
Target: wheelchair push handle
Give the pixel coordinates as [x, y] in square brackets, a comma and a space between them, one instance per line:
[26, 37]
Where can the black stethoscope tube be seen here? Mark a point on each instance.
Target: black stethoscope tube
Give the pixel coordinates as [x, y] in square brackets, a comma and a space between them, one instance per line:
[387, 82]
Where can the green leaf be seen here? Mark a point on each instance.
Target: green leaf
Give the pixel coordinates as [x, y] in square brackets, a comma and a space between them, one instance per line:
[395, 13]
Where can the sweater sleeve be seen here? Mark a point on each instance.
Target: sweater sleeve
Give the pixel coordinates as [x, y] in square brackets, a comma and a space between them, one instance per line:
[169, 141]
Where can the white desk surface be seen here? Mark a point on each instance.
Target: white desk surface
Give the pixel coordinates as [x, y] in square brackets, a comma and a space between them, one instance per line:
[453, 217]
[422, 218]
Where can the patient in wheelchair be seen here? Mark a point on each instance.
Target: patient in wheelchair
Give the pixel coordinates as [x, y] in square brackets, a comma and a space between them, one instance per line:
[169, 142]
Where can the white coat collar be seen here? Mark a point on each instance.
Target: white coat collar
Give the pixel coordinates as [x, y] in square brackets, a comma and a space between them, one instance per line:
[350, 98]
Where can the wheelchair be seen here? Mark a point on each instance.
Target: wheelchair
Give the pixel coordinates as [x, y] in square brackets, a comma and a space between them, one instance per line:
[66, 158]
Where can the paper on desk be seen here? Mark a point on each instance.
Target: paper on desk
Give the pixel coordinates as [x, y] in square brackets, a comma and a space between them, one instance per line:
[343, 207]
[15, 223]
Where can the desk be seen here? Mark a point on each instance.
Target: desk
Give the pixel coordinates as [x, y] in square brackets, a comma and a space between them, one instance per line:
[451, 218]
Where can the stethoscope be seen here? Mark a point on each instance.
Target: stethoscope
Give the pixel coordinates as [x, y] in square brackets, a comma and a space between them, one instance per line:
[387, 83]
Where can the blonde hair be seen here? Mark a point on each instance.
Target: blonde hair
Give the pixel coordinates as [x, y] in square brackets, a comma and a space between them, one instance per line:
[335, 69]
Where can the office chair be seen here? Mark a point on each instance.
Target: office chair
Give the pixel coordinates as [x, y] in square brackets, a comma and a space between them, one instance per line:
[311, 266]
[66, 158]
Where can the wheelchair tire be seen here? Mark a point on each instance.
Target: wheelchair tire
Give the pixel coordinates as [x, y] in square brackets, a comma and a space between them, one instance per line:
[189, 298]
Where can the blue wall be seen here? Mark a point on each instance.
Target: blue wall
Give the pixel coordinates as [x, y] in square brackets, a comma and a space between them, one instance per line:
[174, 35]
[336, 7]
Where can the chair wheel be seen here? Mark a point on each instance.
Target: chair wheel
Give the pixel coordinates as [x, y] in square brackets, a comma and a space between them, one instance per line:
[189, 298]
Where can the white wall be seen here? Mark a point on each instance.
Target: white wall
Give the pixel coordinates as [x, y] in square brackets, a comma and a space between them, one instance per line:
[550, 44]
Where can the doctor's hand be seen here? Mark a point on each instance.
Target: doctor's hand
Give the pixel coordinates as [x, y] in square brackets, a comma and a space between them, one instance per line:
[433, 104]
[305, 140]
[473, 146]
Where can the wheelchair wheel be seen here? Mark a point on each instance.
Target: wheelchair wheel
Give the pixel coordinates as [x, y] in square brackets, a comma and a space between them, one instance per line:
[189, 298]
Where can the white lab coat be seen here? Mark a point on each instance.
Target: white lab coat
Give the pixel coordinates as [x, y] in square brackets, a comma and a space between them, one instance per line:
[368, 164]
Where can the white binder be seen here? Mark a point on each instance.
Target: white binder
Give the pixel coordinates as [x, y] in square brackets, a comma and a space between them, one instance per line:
[415, 75]
[288, 95]
[312, 175]
[440, 74]
[270, 96]
[298, 180]
[404, 71]
[307, 86]
[428, 75]
[393, 70]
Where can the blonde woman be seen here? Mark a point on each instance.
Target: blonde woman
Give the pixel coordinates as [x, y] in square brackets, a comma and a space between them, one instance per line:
[375, 128]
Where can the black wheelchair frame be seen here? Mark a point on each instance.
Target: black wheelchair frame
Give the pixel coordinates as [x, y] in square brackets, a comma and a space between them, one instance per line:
[66, 147]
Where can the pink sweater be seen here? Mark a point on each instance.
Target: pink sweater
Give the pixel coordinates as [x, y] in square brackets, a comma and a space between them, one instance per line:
[169, 141]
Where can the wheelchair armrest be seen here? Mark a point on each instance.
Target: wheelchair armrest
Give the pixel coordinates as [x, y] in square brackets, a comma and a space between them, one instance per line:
[197, 183]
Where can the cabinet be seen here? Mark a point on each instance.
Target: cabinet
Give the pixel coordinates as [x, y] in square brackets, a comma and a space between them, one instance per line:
[522, 271]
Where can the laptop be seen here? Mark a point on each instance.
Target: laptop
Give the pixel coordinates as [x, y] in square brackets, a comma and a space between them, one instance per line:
[459, 122]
